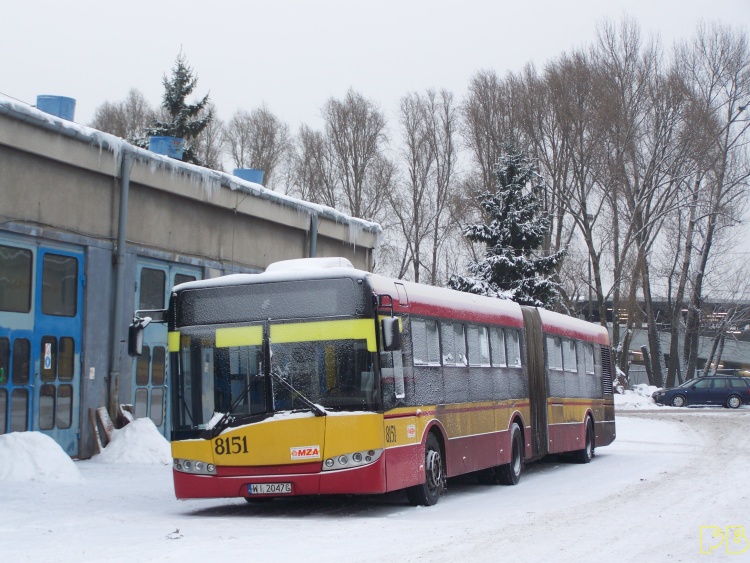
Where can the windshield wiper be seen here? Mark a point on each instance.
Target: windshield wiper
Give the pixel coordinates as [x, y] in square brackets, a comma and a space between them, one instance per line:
[316, 409]
[228, 418]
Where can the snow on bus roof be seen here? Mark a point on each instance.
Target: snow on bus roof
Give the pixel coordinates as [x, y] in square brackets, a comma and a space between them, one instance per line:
[441, 301]
[564, 325]
[279, 275]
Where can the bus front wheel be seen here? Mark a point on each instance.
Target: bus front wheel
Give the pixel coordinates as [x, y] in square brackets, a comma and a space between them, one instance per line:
[428, 493]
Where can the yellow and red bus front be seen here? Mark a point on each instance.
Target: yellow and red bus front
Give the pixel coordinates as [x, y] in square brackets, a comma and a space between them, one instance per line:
[277, 408]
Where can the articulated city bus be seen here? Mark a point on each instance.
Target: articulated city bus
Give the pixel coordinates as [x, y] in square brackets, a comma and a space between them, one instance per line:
[310, 379]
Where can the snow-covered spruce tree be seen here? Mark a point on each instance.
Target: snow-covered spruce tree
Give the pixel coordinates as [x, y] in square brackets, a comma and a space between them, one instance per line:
[516, 228]
[185, 120]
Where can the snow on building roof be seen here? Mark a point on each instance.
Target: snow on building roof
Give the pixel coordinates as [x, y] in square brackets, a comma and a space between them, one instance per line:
[211, 180]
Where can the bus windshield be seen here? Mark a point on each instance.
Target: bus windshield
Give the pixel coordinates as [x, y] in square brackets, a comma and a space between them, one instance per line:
[222, 370]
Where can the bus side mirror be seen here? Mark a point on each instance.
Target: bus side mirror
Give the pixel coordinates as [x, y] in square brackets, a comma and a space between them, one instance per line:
[135, 336]
[391, 334]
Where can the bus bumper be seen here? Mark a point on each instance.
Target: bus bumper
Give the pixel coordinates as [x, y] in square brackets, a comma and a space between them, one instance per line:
[230, 482]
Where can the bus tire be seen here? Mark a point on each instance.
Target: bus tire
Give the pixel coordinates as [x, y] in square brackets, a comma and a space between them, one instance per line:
[428, 493]
[510, 473]
[587, 453]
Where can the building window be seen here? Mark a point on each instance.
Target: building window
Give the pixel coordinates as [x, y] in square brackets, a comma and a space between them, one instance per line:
[152, 289]
[182, 278]
[157, 406]
[141, 367]
[19, 410]
[15, 279]
[59, 285]
[47, 407]
[66, 359]
[158, 366]
[4, 361]
[21, 360]
[3, 410]
[64, 406]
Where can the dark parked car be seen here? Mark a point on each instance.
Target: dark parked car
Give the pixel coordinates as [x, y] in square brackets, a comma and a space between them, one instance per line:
[715, 390]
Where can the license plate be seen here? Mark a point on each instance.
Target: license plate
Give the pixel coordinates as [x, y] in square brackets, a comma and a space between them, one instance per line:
[270, 489]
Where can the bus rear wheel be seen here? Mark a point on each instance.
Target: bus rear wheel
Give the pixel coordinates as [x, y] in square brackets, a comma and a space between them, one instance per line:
[587, 453]
[428, 493]
[510, 473]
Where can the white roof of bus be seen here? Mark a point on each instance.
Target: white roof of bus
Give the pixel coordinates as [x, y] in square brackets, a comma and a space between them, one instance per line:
[565, 325]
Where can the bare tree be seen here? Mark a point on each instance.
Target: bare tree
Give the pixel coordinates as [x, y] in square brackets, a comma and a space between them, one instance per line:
[717, 64]
[489, 121]
[421, 204]
[258, 139]
[210, 143]
[127, 119]
[345, 166]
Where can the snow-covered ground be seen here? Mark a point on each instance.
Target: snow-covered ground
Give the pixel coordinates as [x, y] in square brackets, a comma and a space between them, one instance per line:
[643, 498]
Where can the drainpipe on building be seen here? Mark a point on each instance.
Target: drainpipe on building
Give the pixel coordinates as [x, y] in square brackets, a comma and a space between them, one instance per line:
[115, 357]
[313, 235]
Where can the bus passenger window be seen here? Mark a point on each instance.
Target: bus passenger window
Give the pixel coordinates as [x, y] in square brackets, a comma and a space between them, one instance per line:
[497, 340]
[479, 348]
[514, 347]
[425, 342]
[588, 358]
[554, 353]
[459, 334]
[569, 355]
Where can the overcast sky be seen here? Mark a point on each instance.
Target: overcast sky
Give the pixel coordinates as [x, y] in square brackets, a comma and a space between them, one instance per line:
[295, 54]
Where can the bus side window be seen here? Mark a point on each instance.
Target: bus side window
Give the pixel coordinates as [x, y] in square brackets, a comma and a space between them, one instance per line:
[569, 355]
[497, 339]
[425, 342]
[514, 348]
[479, 348]
[588, 358]
[554, 353]
[454, 344]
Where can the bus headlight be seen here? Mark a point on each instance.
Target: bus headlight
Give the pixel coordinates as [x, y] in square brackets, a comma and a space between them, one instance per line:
[194, 467]
[355, 459]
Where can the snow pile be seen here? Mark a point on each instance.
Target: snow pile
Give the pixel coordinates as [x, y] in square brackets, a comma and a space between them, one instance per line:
[137, 442]
[33, 456]
[639, 397]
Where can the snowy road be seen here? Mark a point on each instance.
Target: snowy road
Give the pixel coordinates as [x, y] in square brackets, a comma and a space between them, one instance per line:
[644, 498]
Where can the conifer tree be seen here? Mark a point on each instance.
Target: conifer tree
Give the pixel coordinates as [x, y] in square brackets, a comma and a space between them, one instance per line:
[516, 228]
[185, 120]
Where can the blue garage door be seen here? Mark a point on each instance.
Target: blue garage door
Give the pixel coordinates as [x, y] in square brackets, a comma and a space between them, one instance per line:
[41, 299]
[151, 369]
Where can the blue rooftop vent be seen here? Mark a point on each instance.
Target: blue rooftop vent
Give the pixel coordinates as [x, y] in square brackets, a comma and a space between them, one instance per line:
[168, 146]
[250, 174]
[57, 105]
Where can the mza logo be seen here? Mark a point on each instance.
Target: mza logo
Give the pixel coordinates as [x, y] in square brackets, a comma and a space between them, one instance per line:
[732, 538]
[305, 452]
